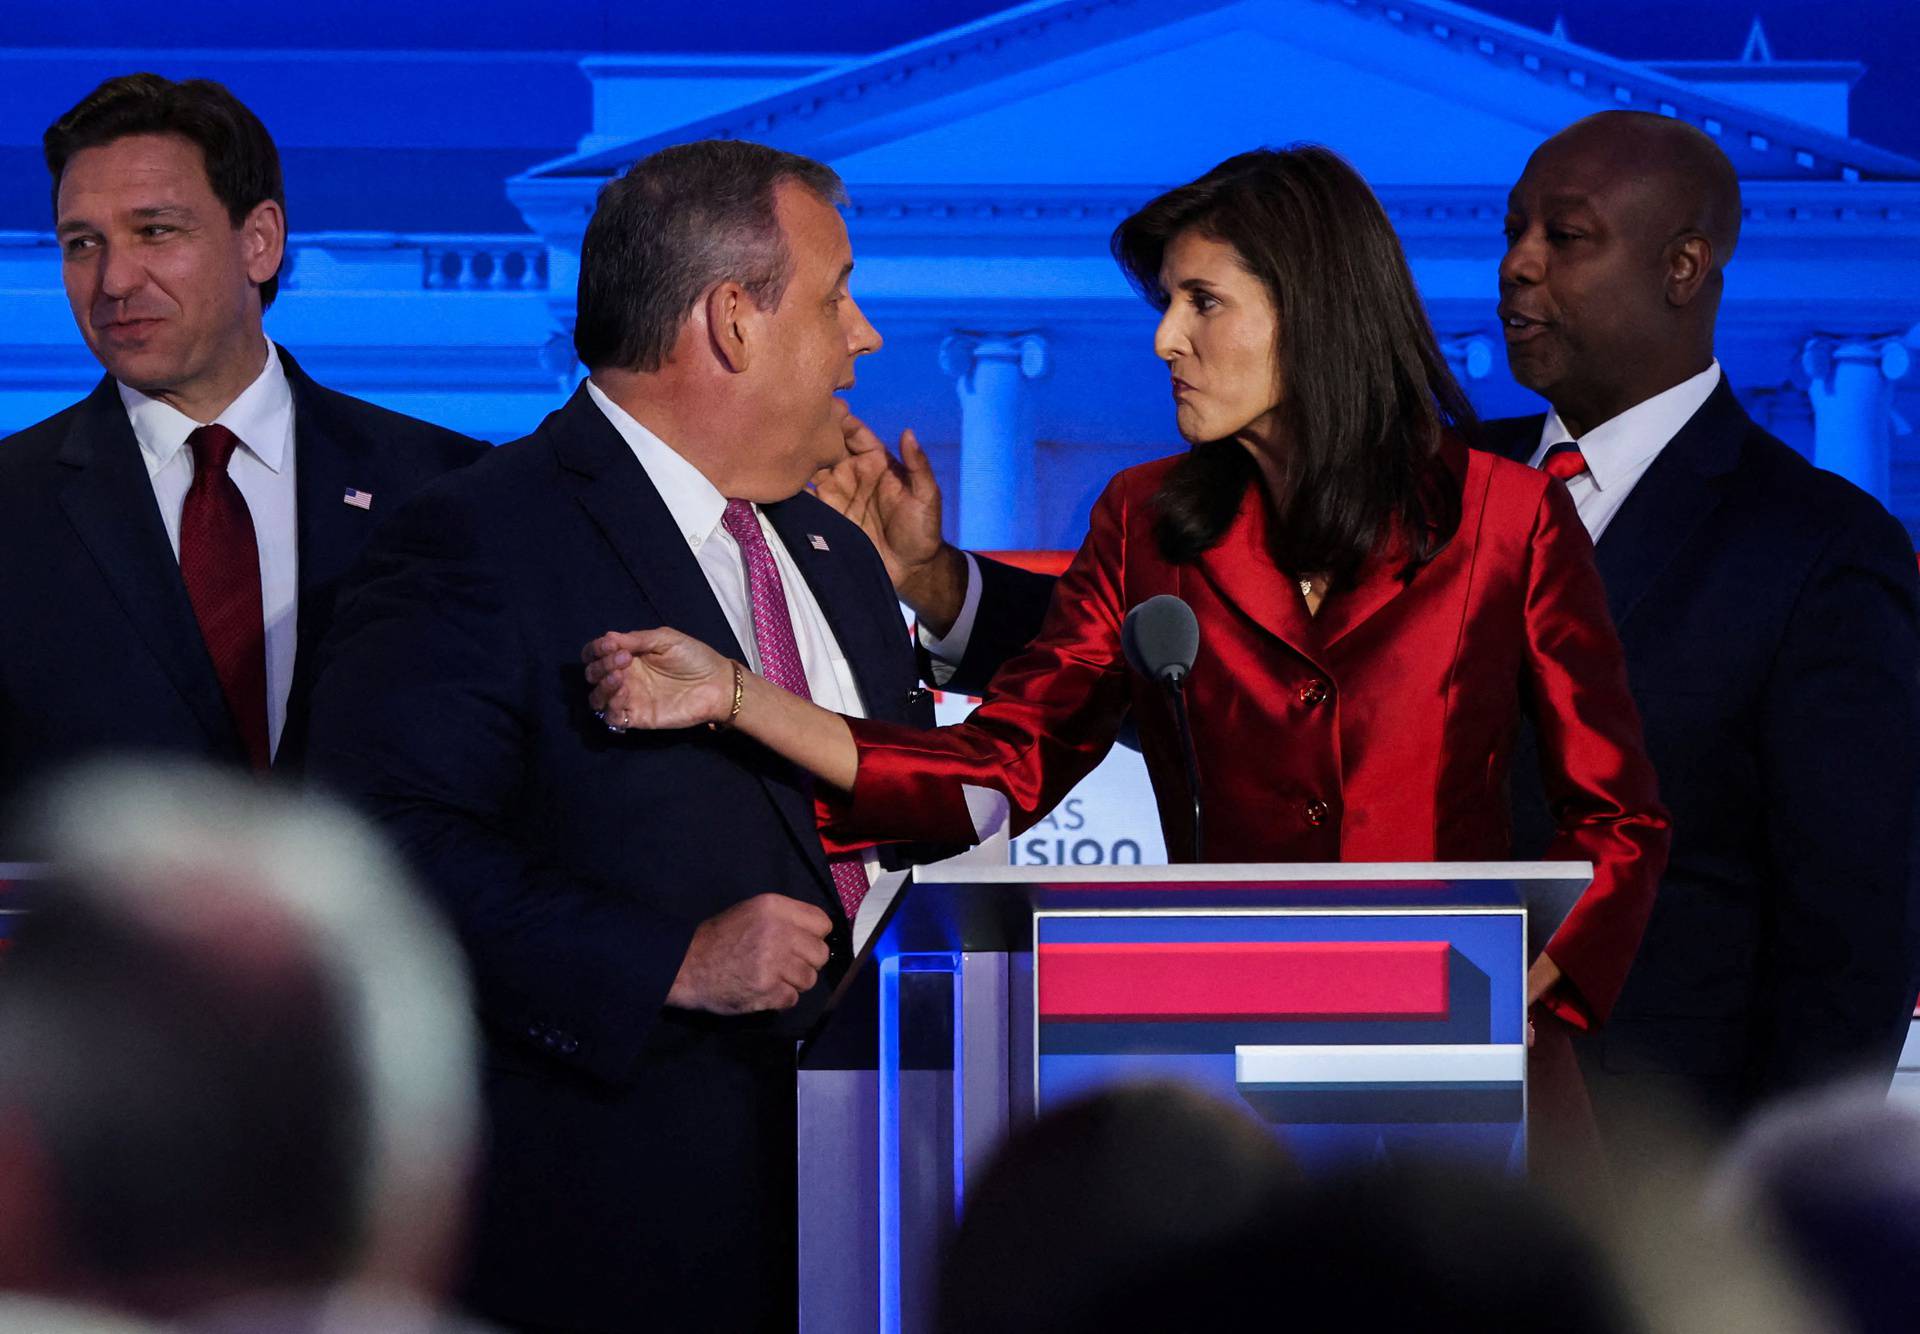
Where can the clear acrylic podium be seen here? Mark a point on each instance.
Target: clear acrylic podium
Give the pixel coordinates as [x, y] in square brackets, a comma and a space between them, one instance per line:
[1359, 1008]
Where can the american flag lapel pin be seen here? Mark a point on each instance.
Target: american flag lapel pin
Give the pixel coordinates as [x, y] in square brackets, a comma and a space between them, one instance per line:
[817, 542]
[360, 500]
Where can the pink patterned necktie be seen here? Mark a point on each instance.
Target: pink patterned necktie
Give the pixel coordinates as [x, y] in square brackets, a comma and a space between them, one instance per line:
[780, 657]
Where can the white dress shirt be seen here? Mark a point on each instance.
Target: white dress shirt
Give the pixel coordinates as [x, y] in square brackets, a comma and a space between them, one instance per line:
[1619, 451]
[263, 469]
[944, 652]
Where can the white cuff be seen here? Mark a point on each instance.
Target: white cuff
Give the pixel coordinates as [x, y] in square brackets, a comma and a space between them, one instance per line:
[950, 648]
[989, 810]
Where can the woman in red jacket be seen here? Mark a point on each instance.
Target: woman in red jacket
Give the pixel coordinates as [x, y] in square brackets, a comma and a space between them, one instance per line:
[1378, 603]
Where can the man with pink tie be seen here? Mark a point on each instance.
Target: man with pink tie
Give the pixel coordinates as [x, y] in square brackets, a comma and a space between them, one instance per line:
[651, 921]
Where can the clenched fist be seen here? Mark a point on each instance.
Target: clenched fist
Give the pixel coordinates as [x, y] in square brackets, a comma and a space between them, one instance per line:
[758, 955]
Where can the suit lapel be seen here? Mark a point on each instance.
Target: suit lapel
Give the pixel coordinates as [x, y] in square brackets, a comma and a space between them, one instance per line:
[1378, 583]
[1242, 570]
[621, 500]
[108, 498]
[1669, 501]
[1381, 579]
[327, 459]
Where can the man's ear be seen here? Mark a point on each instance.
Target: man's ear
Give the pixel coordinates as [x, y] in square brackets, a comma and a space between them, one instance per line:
[1689, 266]
[263, 236]
[729, 314]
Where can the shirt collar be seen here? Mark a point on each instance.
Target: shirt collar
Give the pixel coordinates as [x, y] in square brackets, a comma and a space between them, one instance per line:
[695, 503]
[258, 417]
[1621, 447]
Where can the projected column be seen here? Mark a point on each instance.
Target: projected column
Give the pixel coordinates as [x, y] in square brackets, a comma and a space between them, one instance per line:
[1850, 383]
[992, 373]
[1469, 355]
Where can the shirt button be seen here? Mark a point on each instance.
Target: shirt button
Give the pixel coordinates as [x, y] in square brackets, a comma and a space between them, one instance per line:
[1317, 812]
[1314, 692]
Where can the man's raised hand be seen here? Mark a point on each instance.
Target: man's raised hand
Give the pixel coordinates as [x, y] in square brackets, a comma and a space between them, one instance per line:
[896, 502]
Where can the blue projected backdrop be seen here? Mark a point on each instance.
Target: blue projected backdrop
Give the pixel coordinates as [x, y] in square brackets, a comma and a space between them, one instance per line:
[441, 161]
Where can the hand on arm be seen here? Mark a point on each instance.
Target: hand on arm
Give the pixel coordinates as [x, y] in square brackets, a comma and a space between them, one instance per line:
[660, 680]
[896, 502]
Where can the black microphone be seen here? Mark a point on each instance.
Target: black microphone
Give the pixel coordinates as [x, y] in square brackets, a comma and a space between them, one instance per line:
[1161, 638]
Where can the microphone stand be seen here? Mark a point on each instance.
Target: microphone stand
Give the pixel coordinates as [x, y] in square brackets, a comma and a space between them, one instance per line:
[1175, 681]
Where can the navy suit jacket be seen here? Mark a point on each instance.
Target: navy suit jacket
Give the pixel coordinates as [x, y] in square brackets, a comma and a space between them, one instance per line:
[642, 1168]
[1771, 617]
[102, 652]
[1013, 603]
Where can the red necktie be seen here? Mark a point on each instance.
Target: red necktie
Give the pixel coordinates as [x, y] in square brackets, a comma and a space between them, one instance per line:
[780, 658]
[1564, 461]
[220, 562]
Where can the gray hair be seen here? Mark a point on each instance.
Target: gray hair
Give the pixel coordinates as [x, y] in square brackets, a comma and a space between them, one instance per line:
[165, 856]
[678, 222]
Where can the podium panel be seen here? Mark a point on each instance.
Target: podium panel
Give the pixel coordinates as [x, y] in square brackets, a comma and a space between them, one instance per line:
[1357, 1009]
[1350, 1030]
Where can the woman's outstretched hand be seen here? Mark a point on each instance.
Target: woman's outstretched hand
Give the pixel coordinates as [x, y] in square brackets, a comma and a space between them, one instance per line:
[657, 680]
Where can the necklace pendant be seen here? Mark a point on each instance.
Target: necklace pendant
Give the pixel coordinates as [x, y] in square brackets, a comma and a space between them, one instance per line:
[1306, 588]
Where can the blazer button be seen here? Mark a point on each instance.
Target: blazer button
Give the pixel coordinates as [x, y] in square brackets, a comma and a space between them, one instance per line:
[1317, 812]
[1314, 692]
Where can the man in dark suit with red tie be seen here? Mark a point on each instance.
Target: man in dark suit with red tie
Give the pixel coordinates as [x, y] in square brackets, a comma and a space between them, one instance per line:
[1771, 617]
[1770, 613]
[173, 541]
[651, 919]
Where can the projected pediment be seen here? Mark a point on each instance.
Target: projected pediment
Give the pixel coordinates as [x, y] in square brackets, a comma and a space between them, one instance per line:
[1091, 91]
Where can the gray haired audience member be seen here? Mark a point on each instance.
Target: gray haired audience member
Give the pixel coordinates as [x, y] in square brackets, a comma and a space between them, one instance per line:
[1834, 1177]
[237, 1077]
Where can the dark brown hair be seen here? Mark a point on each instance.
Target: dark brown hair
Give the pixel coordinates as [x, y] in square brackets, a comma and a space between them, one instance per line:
[1367, 392]
[679, 221]
[243, 166]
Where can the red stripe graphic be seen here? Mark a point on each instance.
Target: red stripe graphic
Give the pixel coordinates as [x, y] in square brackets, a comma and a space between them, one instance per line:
[1244, 980]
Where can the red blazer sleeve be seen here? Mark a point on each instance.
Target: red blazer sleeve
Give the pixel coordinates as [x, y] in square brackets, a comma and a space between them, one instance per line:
[1599, 781]
[1050, 715]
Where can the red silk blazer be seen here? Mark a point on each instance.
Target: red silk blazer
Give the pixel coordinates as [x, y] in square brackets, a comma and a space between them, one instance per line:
[1377, 730]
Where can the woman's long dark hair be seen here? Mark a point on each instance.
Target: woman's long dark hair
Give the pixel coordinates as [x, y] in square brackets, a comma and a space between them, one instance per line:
[1366, 391]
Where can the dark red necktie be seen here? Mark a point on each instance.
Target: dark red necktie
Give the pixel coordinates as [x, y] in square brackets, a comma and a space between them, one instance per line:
[220, 562]
[1564, 461]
